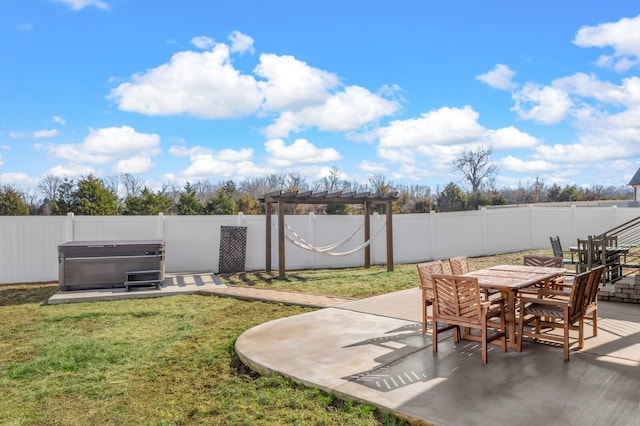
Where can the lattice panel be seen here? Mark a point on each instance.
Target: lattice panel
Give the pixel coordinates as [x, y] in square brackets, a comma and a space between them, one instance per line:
[233, 249]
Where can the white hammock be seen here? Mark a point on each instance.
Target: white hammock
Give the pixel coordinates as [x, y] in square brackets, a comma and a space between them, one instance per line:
[324, 248]
[300, 242]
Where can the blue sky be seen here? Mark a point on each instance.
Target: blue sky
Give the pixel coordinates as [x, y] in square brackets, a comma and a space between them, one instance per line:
[185, 91]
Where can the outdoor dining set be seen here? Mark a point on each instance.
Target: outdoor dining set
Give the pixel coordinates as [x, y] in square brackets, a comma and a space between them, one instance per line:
[509, 304]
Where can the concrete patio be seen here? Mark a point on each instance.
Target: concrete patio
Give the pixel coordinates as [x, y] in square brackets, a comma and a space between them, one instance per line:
[373, 351]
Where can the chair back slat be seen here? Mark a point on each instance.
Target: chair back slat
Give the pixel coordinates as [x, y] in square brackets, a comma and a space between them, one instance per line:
[577, 297]
[546, 261]
[457, 297]
[556, 247]
[459, 265]
[591, 292]
[426, 271]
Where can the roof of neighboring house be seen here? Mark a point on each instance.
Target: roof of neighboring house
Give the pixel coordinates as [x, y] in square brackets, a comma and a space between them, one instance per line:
[635, 180]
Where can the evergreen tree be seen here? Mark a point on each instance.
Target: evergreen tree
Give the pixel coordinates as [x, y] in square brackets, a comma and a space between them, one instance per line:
[93, 198]
[12, 202]
[220, 203]
[147, 203]
[451, 199]
[189, 204]
[64, 193]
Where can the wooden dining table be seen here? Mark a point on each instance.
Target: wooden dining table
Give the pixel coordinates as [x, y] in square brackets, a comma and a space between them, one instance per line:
[508, 279]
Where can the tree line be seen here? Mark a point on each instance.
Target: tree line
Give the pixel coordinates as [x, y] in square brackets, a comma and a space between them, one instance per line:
[129, 195]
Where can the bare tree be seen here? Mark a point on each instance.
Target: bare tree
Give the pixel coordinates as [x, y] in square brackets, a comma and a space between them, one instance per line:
[379, 183]
[476, 168]
[112, 183]
[49, 186]
[332, 182]
[133, 186]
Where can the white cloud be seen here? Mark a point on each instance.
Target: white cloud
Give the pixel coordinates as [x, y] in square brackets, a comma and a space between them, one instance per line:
[622, 36]
[133, 165]
[515, 164]
[1, 161]
[240, 43]
[345, 111]
[291, 84]
[202, 84]
[589, 86]
[544, 104]
[509, 138]
[443, 126]
[373, 168]
[107, 145]
[58, 119]
[18, 179]
[203, 42]
[499, 78]
[206, 162]
[300, 152]
[81, 4]
[71, 171]
[38, 134]
[18, 135]
[43, 134]
[206, 85]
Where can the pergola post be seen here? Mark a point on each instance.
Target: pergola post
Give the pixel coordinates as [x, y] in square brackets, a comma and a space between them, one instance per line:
[367, 234]
[281, 260]
[267, 251]
[389, 226]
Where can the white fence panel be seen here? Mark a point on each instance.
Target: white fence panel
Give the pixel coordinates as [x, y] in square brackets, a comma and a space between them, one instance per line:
[29, 248]
[457, 233]
[93, 228]
[506, 230]
[550, 221]
[412, 236]
[256, 241]
[28, 251]
[192, 243]
[593, 221]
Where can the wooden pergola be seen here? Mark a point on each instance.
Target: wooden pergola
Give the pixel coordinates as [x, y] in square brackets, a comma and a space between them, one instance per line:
[309, 197]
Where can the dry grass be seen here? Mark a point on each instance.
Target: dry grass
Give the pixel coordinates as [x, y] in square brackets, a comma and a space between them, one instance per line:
[356, 282]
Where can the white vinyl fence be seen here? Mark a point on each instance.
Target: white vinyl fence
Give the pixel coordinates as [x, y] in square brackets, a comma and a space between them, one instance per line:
[29, 245]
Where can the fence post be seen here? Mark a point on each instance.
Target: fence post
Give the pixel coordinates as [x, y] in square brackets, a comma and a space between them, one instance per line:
[483, 232]
[69, 227]
[573, 222]
[160, 226]
[532, 231]
[432, 226]
[311, 227]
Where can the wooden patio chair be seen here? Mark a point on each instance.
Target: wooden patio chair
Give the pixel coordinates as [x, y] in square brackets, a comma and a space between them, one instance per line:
[460, 265]
[425, 271]
[548, 310]
[591, 296]
[556, 247]
[457, 303]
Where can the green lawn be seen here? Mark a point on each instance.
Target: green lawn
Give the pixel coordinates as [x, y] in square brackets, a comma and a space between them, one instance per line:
[170, 360]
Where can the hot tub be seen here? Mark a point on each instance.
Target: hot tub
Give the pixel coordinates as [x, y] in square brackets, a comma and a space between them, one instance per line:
[110, 264]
